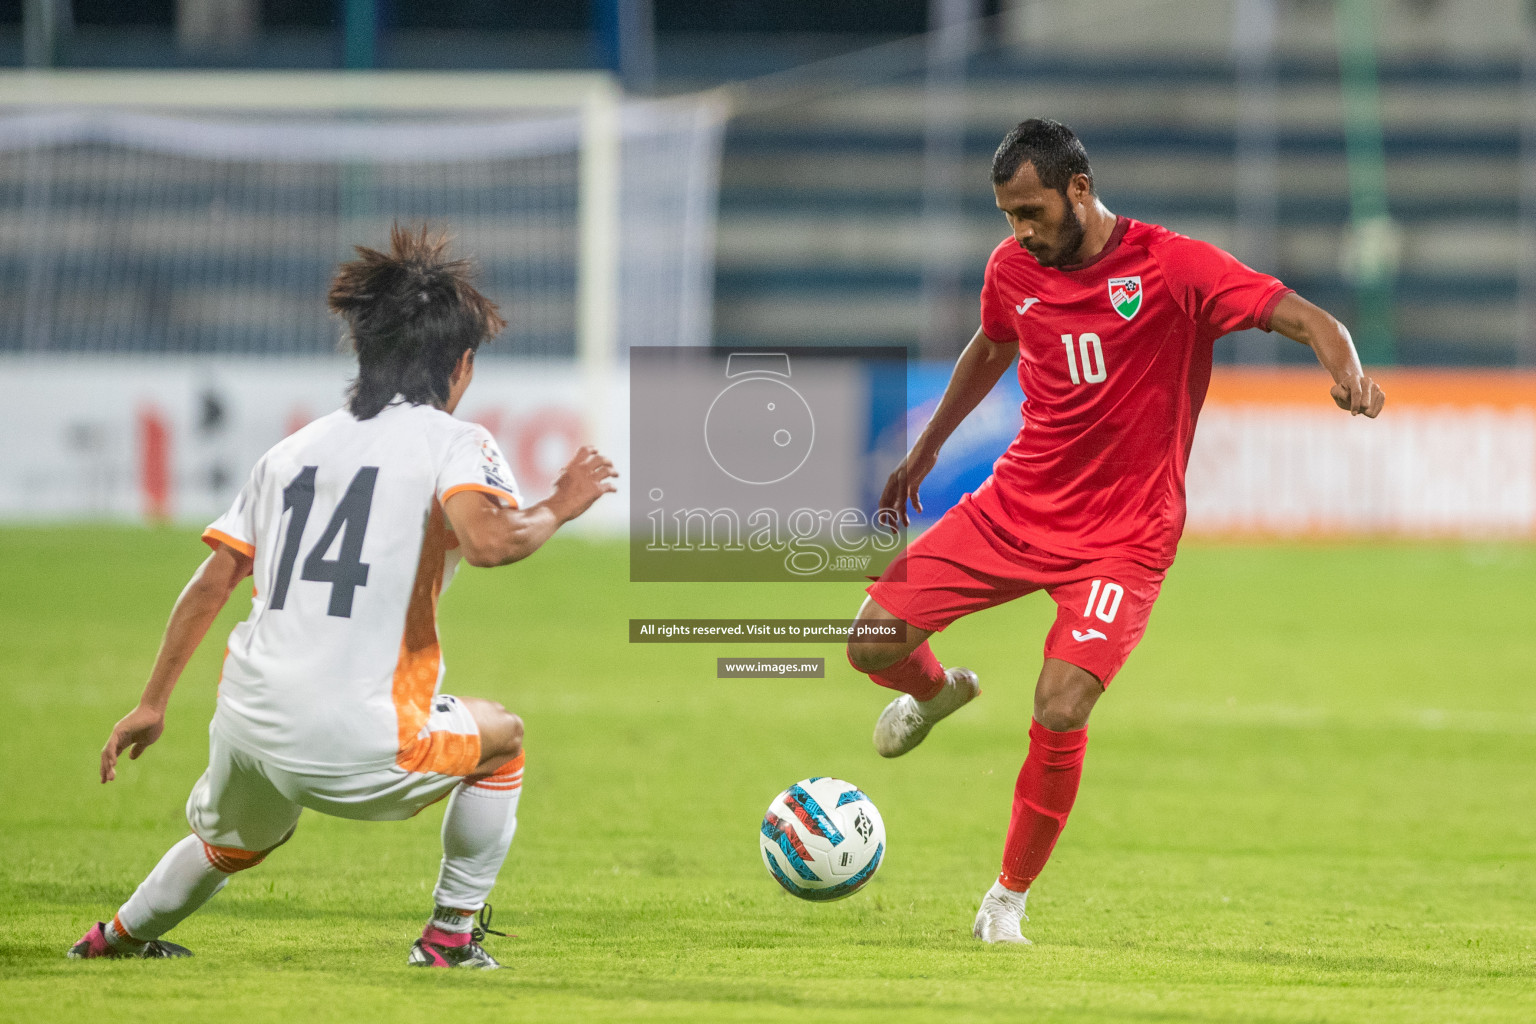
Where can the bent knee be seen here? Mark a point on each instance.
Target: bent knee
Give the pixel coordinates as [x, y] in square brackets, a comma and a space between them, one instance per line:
[869, 657]
[1063, 716]
[508, 734]
[1064, 702]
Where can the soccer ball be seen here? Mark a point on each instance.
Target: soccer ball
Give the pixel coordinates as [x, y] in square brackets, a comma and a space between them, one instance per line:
[822, 839]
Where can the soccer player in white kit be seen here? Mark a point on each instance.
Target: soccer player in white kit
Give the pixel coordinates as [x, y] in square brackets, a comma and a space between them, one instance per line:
[329, 695]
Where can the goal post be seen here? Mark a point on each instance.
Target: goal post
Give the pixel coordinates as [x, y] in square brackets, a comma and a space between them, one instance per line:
[597, 214]
[593, 97]
[562, 138]
[420, 91]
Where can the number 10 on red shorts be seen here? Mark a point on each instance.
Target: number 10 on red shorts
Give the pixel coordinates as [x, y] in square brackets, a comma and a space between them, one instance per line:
[962, 564]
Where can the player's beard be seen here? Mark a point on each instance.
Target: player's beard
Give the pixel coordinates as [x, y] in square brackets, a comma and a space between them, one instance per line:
[1069, 239]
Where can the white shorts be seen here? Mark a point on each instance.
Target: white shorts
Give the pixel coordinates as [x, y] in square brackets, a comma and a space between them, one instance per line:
[243, 803]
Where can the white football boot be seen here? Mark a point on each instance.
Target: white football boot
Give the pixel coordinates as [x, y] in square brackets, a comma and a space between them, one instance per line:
[1001, 915]
[905, 722]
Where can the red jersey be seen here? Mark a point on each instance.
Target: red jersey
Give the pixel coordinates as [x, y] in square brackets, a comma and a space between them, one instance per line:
[1114, 361]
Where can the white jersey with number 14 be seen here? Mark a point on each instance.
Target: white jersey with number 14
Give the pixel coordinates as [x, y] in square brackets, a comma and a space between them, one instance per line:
[334, 671]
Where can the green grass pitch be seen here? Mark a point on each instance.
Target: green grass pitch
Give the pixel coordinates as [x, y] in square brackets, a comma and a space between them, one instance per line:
[1311, 796]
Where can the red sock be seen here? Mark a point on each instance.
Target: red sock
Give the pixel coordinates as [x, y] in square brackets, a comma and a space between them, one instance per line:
[919, 674]
[1042, 799]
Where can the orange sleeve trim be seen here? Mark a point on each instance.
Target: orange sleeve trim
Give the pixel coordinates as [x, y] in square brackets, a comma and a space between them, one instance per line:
[213, 538]
[510, 498]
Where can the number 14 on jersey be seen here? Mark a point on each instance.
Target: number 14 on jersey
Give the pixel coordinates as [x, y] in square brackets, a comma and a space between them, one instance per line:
[1092, 353]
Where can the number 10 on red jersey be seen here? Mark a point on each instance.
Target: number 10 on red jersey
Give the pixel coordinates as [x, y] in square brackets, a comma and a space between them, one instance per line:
[1092, 353]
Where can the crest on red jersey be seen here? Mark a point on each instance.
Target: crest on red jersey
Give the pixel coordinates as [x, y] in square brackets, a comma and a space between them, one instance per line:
[1125, 295]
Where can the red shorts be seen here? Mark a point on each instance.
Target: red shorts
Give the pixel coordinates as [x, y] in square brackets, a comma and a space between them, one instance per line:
[962, 564]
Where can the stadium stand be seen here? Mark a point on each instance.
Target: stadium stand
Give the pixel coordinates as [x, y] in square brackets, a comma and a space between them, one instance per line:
[820, 200]
[821, 237]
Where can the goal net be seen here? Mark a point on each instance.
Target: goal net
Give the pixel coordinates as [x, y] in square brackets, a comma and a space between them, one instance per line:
[202, 214]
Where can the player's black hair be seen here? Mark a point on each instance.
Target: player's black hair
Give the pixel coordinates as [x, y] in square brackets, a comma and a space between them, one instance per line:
[1055, 151]
[411, 313]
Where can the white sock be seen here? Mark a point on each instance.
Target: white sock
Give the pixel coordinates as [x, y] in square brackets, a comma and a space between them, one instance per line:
[477, 832]
[119, 939]
[1008, 896]
[179, 884]
[452, 919]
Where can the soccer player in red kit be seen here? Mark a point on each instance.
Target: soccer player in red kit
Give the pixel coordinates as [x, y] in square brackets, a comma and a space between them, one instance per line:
[1113, 323]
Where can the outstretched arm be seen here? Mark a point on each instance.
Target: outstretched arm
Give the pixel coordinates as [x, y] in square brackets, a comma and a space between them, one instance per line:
[1353, 390]
[492, 535]
[199, 604]
[980, 367]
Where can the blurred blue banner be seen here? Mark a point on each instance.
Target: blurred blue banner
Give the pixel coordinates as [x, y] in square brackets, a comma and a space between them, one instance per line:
[967, 457]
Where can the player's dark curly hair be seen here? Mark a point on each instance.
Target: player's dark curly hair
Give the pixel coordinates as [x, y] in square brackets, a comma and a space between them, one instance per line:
[411, 313]
[1056, 153]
